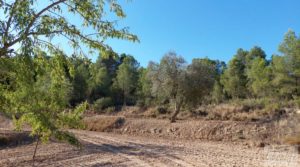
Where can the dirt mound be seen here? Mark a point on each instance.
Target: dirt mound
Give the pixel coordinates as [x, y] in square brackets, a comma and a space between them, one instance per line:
[250, 133]
[103, 123]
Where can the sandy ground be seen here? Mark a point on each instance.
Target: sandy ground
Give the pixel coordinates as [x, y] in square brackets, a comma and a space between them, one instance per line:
[106, 149]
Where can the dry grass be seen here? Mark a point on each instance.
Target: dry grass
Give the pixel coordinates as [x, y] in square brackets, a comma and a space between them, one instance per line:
[103, 123]
[293, 140]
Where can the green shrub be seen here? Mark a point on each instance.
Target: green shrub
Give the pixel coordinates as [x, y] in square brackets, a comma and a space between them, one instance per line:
[296, 101]
[140, 103]
[161, 110]
[110, 110]
[102, 103]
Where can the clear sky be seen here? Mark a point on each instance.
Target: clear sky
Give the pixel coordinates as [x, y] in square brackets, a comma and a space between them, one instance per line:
[206, 28]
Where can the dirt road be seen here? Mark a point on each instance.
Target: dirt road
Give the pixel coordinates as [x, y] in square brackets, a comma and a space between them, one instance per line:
[104, 149]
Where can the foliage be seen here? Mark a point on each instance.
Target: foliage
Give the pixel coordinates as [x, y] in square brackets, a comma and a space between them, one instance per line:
[259, 79]
[144, 88]
[201, 75]
[127, 77]
[102, 104]
[38, 82]
[234, 78]
[38, 94]
[25, 24]
[168, 80]
[80, 82]
[286, 68]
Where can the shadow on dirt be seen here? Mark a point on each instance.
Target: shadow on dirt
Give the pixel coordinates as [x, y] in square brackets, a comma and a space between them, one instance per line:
[148, 150]
[10, 139]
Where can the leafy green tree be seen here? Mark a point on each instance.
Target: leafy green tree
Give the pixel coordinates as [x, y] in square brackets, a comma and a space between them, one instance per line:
[167, 80]
[144, 87]
[234, 78]
[99, 83]
[38, 95]
[180, 84]
[80, 81]
[110, 61]
[255, 52]
[200, 77]
[218, 94]
[283, 84]
[103, 71]
[36, 90]
[25, 24]
[290, 48]
[127, 77]
[259, 77]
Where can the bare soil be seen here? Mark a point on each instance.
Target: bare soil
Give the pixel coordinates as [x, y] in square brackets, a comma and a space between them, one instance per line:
[103, 149]
[154, 142]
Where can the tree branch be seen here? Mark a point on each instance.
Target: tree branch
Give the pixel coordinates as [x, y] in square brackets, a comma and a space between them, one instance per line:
[26, 32]
[6, 31]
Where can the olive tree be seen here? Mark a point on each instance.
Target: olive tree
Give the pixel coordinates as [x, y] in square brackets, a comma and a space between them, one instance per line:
[173, 80]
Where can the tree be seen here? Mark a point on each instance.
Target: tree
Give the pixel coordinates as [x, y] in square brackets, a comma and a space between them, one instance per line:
[290, 48]
[25, 24]
[99, 83]
[36, 89]
[200, 77]
[234, 78]
[38, 94]
[127, 77]
[144, 87]
[255, 52]
[80, 81]
[217, 94]
[103, 71]
[259, 77]
[168, 79]
[173, 80]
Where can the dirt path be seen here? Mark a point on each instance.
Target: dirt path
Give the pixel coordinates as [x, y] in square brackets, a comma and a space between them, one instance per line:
[103, 149]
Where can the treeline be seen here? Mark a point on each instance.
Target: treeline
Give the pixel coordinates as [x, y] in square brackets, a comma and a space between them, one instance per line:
[118, 80]
[115, 80]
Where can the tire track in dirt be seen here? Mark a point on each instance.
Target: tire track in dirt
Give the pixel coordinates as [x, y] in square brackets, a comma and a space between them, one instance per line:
[160, 156]
[104, 149]
[133, 159]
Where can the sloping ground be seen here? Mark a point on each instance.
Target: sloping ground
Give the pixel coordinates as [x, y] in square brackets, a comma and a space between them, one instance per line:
[103, 149]
[251, 133]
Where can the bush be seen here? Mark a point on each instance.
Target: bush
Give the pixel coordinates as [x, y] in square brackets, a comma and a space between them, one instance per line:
[297, 101]
[140, 103]
[145, 102]
[102, 103]
[161, 110]
[110, 110]
[252, 104]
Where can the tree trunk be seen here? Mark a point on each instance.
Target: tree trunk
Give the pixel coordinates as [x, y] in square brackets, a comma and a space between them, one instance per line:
[124, 95]
[176, 112]
[124, 99]
[33, 157]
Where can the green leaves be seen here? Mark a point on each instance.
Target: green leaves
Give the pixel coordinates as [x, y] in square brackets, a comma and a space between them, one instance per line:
[31, 23]
[38, 95]
[127, 77]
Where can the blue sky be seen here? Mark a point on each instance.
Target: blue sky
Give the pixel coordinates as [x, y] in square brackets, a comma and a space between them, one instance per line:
[206, 28]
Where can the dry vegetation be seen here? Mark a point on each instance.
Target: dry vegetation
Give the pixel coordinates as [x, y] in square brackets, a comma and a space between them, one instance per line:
[102, 123]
